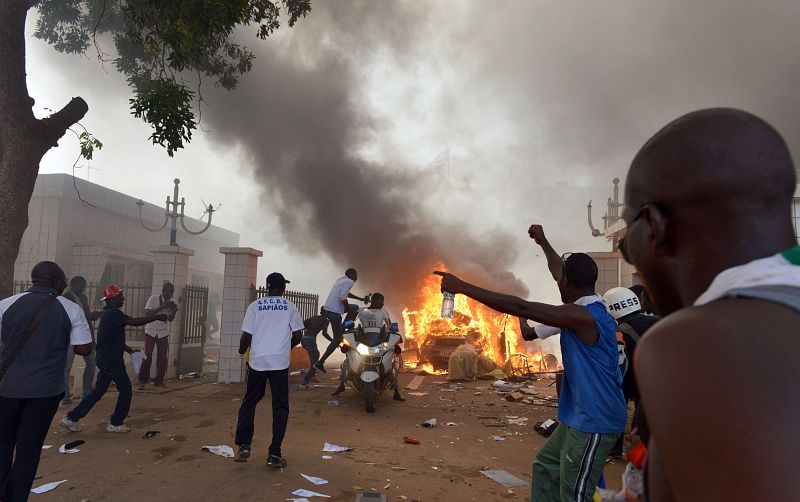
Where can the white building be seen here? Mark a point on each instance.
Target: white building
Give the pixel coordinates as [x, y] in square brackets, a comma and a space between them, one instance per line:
[106, 243]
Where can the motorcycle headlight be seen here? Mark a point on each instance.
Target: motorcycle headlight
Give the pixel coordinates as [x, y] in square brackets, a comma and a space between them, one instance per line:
[362, 349]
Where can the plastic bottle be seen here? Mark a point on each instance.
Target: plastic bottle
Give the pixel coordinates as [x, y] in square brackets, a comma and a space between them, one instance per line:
[448, 304]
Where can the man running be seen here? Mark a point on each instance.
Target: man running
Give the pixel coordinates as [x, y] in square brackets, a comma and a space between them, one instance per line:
[592, 411]
[335, 307]
[313, 326]
[708, 213]
[110, 363]
[267, 330]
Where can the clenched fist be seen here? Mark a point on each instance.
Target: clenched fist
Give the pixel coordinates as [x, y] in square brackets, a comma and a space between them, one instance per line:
[536, 232]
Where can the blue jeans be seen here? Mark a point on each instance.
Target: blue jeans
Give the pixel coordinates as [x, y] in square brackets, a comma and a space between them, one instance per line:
[310, 344]
[108, 373]
[88, 374]
[336, 327]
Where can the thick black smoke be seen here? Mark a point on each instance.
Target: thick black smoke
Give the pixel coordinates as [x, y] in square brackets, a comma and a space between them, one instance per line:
[300, 122]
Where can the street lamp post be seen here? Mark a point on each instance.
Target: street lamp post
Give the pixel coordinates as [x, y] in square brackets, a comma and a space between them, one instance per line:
[172, 216]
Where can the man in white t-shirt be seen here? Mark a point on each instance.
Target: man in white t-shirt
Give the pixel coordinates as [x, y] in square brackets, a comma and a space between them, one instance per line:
[335, 307]
[267, 330]
[156, 335]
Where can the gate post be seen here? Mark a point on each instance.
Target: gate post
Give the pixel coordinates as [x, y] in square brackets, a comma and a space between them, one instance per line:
[241, 266]
[171, 265]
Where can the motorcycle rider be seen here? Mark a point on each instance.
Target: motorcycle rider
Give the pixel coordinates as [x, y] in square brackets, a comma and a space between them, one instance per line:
[376, 320]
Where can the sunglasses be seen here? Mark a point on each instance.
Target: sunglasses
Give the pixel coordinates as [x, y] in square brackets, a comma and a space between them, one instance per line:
[623, 249]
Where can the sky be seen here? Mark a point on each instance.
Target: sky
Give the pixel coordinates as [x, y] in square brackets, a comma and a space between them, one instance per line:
[390, 136]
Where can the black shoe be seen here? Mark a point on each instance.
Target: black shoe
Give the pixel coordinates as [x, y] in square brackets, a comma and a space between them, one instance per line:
[320, 366]
[338, 390]
[398, 397]
[276, 461]
[244, 453]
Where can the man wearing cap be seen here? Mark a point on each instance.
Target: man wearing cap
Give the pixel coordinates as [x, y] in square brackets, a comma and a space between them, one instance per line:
[269, 325]
[110, 363]
[591, 411]
[156, 335]
[38, 327]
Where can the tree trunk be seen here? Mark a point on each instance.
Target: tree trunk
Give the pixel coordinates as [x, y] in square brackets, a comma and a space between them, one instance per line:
[24, 139]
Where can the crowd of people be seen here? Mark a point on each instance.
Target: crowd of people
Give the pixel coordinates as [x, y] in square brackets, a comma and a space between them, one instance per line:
[709, 231]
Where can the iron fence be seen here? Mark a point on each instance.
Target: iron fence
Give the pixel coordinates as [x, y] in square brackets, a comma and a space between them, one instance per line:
[307, 303]
[136, 296]
[194, 304]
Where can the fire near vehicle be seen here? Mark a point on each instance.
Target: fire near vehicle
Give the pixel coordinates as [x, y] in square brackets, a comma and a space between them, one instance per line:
[371, 362]
[438, 349]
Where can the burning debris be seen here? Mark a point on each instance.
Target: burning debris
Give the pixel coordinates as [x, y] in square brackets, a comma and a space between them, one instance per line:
[431, 341]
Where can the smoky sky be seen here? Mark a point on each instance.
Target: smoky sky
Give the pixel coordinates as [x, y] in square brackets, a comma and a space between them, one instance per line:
[582, 85]
[539, 104]
[298, 119]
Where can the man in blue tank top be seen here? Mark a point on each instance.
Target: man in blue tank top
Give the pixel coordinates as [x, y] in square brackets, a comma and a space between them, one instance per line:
[592, 411]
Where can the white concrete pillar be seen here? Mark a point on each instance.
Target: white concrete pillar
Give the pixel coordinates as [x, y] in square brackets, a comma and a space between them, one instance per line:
[241, 267]
[171, 265]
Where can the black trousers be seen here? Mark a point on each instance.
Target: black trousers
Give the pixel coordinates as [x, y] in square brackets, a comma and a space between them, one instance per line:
[256, 388]
[23, 427]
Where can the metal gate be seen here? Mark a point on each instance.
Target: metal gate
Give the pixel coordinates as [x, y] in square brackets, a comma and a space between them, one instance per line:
[194, 304]
[307, 303]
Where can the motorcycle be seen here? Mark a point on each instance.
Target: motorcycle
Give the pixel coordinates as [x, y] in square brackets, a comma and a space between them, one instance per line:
[371, 361]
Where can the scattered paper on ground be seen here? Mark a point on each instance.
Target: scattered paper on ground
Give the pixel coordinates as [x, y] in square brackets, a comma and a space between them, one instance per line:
[547, 423]
[63, 449]
[314, 479]
[418, 394]
[308, 493]
[46, 446]
[416, 382]
[505, 478]
[327, 457]
[47, 487]
[300, 500]
[333, 448]
[221, 450]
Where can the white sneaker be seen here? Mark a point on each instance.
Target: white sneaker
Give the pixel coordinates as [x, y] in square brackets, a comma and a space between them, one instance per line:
[117, 428]
[70, 425]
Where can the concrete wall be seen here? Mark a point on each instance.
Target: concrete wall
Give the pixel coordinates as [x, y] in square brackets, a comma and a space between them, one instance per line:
[84, 239]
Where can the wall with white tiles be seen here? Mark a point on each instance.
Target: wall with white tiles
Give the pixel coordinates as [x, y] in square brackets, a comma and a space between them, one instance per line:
[82, 238]
[241, 267]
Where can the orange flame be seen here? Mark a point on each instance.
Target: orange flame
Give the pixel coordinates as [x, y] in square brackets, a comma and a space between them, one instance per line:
[497, 334]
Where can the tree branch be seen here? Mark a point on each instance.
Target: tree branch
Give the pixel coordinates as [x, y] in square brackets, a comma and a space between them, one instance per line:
[57, 124]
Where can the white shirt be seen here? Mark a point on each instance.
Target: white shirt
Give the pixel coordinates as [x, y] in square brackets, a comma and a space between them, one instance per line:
[774, 270]
[544, 331]
[157, 329]
[372, 320]
[341, 288]
[271, 320]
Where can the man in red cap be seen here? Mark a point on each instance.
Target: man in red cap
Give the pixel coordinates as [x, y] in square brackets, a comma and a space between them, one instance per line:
[111, 365]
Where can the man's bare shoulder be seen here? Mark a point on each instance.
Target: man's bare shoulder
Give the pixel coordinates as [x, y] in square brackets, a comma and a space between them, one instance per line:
[720, 323]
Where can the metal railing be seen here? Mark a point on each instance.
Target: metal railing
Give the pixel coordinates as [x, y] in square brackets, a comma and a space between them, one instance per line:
[307, 303]
[136, 296]
[194, 303]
